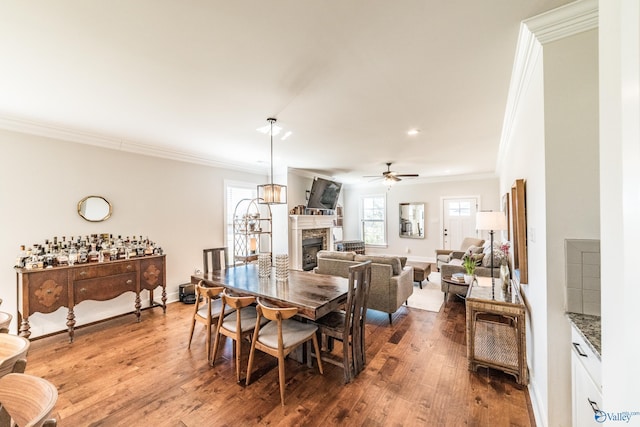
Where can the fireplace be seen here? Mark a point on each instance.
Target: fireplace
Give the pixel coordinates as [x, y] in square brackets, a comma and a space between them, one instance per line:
[310, 248]
[309, 227]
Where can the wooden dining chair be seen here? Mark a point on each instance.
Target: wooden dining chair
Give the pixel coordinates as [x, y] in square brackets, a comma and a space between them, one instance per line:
[279, 337]
[347, 325]
[13, 354]
[214, 259]
[5, 321]
[27, 401]
[236, 325]
[207, 308]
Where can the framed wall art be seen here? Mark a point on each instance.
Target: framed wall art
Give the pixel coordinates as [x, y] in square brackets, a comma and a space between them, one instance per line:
[519, 218]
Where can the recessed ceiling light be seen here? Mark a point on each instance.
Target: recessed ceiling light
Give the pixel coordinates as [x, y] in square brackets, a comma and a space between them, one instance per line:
[413, 131]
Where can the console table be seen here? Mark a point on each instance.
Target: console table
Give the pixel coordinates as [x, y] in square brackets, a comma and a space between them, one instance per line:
[46, 290]
[496, 328]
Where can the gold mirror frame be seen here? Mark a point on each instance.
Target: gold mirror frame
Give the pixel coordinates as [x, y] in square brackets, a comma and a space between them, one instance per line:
[411, 221]
[519, 218]
[94, 208]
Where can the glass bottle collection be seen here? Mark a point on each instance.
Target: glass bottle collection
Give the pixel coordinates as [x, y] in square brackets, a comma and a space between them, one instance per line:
[94, 248]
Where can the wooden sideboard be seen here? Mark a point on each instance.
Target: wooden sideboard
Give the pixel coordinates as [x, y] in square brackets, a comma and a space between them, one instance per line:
[46, 290]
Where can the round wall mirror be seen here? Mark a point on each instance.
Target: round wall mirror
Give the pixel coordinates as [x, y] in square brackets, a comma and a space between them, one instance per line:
[94, 208]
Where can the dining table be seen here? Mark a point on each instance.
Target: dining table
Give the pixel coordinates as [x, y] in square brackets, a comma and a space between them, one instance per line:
[314, 295]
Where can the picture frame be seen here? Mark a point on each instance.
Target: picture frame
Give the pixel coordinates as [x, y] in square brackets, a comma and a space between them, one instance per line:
[519, 218]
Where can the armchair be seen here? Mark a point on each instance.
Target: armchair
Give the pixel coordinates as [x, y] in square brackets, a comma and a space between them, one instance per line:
[444, 256]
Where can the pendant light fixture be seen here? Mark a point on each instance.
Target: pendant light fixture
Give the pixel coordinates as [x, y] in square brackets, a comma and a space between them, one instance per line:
[272, 194]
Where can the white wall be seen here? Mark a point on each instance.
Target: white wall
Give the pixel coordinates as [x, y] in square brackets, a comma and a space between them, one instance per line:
[572, 188]
[620, 203]
[554, 146]
[524, 158]
[431, 194]
[179, 205]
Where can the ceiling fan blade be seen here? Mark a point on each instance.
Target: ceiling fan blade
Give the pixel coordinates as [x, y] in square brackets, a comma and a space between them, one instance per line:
[408, 175]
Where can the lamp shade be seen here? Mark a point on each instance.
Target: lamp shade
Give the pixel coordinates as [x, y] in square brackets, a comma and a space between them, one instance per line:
[272, 194]
[491, 221]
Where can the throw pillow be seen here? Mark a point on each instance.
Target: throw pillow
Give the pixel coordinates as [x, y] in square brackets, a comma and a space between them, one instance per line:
[403, 261]
[478, 259]
[474, 249]
[498, 255]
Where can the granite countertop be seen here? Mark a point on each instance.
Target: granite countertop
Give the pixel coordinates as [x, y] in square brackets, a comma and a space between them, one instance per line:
[589, 326]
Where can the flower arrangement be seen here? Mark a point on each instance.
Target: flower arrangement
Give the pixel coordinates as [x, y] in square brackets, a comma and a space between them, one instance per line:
[505, 251]
[469, 263]
[505, 248]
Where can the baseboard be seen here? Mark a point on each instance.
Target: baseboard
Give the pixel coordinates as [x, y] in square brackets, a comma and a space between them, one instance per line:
[537, 405]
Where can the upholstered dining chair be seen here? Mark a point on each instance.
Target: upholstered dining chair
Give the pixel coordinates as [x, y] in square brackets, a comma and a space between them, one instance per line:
[27, 401]
[279, 337]
[214, 259]
[207, 308]
[236, 325]
[13, 354]
[348, 325]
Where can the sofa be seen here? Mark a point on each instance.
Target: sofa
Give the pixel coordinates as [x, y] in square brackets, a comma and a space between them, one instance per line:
[444, 256]
[391, 279]
[483, 268]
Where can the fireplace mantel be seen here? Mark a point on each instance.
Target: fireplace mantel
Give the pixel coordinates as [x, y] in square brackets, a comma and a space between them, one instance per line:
[297, 223]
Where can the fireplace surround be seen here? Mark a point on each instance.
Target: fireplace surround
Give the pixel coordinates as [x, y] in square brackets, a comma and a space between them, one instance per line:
[309, 227]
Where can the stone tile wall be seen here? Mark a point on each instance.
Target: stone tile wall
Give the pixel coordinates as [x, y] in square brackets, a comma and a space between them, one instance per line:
[582, 258]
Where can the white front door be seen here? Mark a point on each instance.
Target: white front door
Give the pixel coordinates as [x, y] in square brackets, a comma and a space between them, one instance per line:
[458, 221]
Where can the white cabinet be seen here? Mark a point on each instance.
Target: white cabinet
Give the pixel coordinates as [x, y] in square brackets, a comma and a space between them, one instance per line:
[586, 382]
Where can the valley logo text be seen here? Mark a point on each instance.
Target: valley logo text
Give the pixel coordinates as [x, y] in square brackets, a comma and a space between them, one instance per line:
[625, 417]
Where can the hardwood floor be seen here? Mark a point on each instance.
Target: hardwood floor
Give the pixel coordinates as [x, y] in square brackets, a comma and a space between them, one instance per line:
[120, 372]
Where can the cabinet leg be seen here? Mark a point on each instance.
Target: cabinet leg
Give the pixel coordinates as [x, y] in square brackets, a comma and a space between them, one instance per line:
[71, 322]
[25, 329]
[138, 305]
[164, 299]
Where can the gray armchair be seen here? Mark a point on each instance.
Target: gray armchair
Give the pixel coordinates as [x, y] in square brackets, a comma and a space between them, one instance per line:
[444, 256]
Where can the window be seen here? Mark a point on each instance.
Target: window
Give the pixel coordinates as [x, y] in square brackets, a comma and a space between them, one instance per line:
[462, 208]
[235, 191]
[374, 228]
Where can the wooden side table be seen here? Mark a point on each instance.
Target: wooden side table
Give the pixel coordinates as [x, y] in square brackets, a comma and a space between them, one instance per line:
[496, 328]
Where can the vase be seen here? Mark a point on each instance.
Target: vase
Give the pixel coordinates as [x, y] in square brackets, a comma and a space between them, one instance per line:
[505, 276]
[468, 278]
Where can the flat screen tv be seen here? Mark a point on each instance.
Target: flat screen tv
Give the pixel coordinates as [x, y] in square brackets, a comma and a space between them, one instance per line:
[324, 194]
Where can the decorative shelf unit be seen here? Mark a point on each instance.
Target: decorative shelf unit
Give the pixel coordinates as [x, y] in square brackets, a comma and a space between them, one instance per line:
[251, 230]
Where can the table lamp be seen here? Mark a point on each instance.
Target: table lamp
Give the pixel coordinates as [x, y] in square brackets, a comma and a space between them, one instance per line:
[492, 221]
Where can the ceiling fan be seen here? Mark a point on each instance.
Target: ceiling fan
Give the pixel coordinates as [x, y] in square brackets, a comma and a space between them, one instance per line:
[391, 177]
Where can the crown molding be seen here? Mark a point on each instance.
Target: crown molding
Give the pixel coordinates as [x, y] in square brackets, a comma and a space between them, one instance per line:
[556, 24]
[48, 130]
[565, 21]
